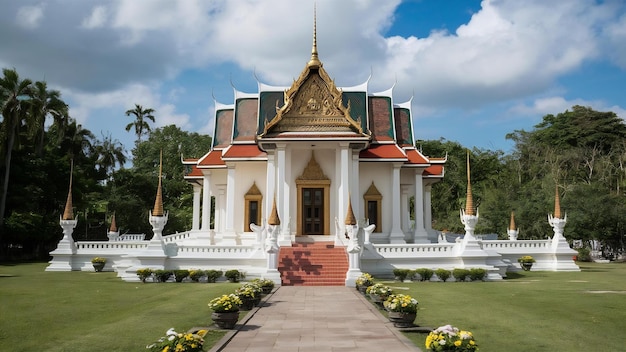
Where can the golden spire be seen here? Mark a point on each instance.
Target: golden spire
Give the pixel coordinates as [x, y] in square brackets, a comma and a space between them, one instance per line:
[315, 61]
[350, 220]
[557, 204]
[274, 219]
[68, 213]
[469, 203]
[158, 203]
[512, 224]
[113, 227]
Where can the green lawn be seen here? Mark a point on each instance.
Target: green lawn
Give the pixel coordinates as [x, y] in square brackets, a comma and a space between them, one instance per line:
[88, 311]
[531, 311]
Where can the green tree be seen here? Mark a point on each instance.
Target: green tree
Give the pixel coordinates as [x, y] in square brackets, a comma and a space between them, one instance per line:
[46, 103]
[140, 124]
[15, 96]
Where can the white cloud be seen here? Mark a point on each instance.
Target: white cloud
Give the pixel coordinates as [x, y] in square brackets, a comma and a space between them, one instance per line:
[97, 18]
[30, 17]
[555, 105]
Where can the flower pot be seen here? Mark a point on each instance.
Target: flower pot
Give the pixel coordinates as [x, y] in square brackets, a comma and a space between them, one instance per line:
[247, 303]
[526, 266]
[266, 290]
[225, 320]
[98, 266]
[401, 319]
[361, 288]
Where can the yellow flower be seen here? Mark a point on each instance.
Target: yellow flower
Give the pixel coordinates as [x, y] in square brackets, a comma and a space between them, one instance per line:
[457, 343]
[167, 348]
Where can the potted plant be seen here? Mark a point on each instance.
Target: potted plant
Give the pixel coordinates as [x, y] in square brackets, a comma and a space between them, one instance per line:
[401, 309]
[175, 341]
[379, 292]
[247, 294]
[144, 274]
[526, 262]
[98, 263]
[266, 285]
[225, 310]
[233, 275]
[364, 281]
[449, 338]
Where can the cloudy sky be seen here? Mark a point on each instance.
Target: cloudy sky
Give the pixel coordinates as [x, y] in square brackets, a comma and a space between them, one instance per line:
[475, 70]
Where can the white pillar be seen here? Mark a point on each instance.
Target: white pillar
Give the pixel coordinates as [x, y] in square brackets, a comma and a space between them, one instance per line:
[396, 236]
[357, 198]
[405, 209]
[270, 184]
[428, 213]
[282, 199]
[420, 235]
[206, 201]
[195, 222]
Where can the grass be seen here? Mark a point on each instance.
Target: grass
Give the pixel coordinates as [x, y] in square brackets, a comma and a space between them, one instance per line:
[89, 311]
[530, 311]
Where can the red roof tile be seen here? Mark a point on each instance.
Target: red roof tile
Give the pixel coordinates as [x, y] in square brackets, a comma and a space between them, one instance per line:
[434, 170]
[383, 151]
[195, 172]
[213, 158]
[416, 157]
[240, 151]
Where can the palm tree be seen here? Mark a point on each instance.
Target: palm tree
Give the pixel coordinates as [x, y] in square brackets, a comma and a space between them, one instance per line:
[46, 103]
[15, 97]
[110, 153]
[141, 125]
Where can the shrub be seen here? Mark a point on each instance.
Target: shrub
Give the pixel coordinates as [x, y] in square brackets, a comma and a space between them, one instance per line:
[443, 274]
[144, 274]
[401, 274]
[96, 260]
[424, 273]
[477, 274]
[195, 275]
[213, 275]
[180, 274]
[162, 275]
[233, 275]
[460, 274]
[584, 255]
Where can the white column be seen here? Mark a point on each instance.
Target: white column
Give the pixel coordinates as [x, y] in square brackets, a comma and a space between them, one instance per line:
[357, 197]
[206, 201]
[282, 199]
[405, 209]
[342, 174]
[286, 216]
[220, 209]
[195, 222]
[230, 200]
[270, 185]
[428, 213]
[396, 235]
[420, 235]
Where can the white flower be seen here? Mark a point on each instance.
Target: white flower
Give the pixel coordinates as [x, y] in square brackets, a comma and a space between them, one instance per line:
[171, 332]
[466, 336]
[442, 342]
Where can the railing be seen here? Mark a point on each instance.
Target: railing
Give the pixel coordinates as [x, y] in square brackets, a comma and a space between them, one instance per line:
[413, 249]
[217, 251]
[499, 245]
[176, 237]
[131, 237]
[116, 245]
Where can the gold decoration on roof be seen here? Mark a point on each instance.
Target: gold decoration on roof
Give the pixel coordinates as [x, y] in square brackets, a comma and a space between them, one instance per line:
[372, 191]
[312, 171]
[350, 219]
[557, 204]
[313, 103]
[113, 227]
[469, 204]
[315, 61]
[274, 219]
[158, 202]
[253, 190]
[512, 223]
[68, 212]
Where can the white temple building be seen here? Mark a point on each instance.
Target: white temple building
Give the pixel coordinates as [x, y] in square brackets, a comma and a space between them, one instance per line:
[312, 162]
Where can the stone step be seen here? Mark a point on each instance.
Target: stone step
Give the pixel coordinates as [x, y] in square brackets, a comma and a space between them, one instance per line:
[313, 264]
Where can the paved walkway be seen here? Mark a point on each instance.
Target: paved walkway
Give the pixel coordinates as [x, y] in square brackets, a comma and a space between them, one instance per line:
[315, 319]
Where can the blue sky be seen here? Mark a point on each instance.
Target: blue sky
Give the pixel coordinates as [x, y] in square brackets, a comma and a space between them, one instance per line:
[475, 70]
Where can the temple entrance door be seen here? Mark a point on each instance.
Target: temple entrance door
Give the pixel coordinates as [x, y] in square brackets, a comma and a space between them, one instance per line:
[312, 211]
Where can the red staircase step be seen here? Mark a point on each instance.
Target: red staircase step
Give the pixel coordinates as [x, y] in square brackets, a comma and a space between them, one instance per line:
[313, 264]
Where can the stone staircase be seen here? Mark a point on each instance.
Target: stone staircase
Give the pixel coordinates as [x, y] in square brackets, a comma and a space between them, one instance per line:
[313, 264]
